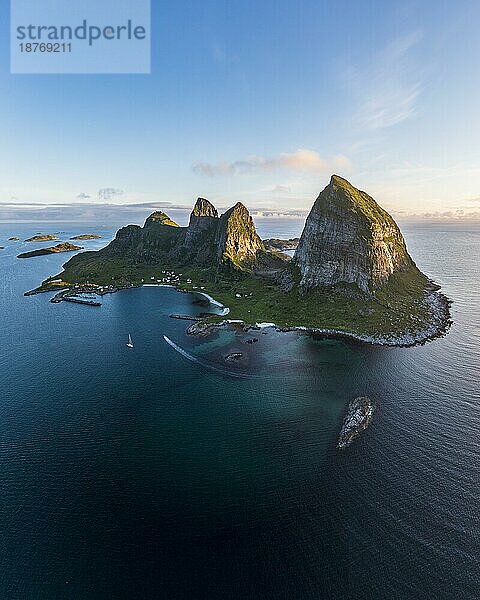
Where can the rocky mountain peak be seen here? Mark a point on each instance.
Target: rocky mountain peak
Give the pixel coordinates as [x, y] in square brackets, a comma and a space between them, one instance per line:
[203, 208]
[349, 238]
[202, 219]
[160, 218]
[237, 239]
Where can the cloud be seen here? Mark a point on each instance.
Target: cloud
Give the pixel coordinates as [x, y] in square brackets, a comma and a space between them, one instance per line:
[446, 216]
[93, 213]
[388, 87]
[109, 193]
[299, 161]
[118, 215]
[282, 189]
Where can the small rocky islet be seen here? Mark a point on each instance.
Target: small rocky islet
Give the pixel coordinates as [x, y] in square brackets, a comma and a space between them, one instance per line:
[281, 245]
[49, 237]
[86, 236]
[64, 247]
[351, 275]
[359, 414]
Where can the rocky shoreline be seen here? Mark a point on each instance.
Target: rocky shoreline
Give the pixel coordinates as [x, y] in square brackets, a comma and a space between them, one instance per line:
[441, 322]
[89, 288]
[351, 255]
[437, 328]
[439, 306]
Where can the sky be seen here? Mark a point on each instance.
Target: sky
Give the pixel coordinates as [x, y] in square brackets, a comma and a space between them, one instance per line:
[259, 102]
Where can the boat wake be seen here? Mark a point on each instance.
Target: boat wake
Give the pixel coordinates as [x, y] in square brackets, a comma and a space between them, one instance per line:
[203, 363]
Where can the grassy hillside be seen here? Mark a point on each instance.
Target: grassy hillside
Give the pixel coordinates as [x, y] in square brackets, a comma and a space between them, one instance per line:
[397, 308]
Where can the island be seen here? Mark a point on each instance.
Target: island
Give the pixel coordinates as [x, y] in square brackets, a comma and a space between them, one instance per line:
[86, 236]
[42, 238]
[13, 239]
[278, 244]
[358, 417]
[350, 277]
[65, 247]
[234, 357]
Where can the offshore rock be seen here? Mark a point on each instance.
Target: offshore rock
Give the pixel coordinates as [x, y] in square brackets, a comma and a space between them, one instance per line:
[358, 417]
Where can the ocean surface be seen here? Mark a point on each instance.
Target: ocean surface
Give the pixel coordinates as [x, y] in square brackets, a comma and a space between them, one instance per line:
[145, 474]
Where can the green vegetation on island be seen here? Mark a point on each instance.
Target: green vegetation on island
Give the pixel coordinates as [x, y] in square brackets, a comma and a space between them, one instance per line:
[279, 244]
[42, 238]
[65, 247]
[351, 273]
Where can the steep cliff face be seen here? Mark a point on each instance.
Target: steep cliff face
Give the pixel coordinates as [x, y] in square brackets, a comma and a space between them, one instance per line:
[203, 218]
[349, 238]
[237, 241]
[208, 241]
[159, 234]
[127, 239]
[202, 208]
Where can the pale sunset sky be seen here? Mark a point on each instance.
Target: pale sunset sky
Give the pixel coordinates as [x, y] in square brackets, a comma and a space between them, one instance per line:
[260, 102]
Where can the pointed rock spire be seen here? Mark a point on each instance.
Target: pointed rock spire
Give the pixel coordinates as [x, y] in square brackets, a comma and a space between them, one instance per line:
[237, 238]
[203, 208]
[202, 218]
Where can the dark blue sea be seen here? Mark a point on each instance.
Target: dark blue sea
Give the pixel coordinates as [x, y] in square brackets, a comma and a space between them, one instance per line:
[143, 474]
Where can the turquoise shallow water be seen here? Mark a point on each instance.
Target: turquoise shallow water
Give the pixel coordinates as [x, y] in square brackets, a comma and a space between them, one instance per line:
[140, 474]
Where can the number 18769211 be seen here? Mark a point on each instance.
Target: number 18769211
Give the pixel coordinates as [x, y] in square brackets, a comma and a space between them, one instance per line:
[45, 47]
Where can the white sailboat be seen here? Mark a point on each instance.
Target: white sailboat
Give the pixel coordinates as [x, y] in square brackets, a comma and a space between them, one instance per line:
[130, 341]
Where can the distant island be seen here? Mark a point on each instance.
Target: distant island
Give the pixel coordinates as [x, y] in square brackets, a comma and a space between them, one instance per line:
[65, 247]
[86, 236]
[13, 239]
[351, 275]
[277, 244]
[42, 238]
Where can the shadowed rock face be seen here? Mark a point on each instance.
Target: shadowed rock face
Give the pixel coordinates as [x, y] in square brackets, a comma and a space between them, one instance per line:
[203, 208]
[127, 239]
[203, 218]
[349, 238]
[159, 234]
[208, 241]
